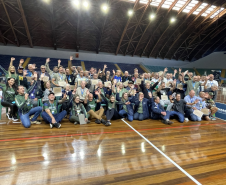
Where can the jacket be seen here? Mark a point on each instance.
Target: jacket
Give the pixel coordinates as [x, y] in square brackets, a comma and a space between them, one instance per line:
[155, 112]
[145, 90]
[146, 103]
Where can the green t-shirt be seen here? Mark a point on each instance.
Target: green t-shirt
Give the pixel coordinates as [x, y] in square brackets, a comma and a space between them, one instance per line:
[9, 93]
[51, 107]
[121, 92]
[92, 105]
[140, 108]
[59, 78]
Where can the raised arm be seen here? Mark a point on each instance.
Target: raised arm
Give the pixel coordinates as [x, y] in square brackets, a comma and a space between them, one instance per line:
[11, 61]
[47, 66]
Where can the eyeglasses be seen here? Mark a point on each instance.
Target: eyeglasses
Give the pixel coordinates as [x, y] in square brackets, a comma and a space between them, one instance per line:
[43, 68]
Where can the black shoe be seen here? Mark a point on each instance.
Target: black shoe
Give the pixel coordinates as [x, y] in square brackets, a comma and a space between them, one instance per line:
[97, 121]
[165, 122]
[108, 123]
[57, 125]
[9, 116]
[103, 121]
[169, 122]
[88, 121]
[14, 118]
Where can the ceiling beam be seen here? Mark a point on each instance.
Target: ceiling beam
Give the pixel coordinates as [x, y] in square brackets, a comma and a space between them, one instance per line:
[216, 28]
[127, 24]
[140, 19]
[173, 4]
[25, 22]
[178, 36]
[158, 8]
[2, 37]
[200, 32]
[52, 19]
[10, 23]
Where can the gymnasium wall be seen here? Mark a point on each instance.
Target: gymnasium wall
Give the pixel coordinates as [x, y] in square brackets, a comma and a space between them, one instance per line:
[215, 60]
[90, 56]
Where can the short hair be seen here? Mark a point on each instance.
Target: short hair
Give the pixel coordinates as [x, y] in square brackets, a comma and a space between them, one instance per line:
[60, 67]
[155, 98]
[43, 66]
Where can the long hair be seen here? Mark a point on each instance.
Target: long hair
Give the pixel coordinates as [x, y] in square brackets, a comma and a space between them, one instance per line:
[10, 74]
[123, 99]
[14, 86]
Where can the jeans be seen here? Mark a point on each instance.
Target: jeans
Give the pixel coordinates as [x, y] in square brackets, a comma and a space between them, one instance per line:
[112, 114]
[25, 118]
[58, 117]
[13, 107]
[166, 102]
[123, 114]
[138, 116]
[173, 113]
[189, 114]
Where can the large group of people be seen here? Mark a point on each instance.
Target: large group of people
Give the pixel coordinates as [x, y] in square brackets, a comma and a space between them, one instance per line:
[104, 95]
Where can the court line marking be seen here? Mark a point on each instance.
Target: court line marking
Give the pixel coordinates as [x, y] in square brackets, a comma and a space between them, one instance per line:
[95, 133]
[175, 164]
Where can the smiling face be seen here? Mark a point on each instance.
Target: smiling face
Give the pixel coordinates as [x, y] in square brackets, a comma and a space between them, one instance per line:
[43, 69]
[51, 97]
[11, 81]
[90, 97]
[112, 99]
[48, 85]
[61, 69]
[21, 90]
[77, 99]
[12, 69]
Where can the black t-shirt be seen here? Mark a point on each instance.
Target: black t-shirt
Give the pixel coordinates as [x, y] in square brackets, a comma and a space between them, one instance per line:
[214, 93]
[163, 92]
[179, 106]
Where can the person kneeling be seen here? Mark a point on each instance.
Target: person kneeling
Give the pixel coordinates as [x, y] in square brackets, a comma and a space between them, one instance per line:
[94, 108]
[77, 109]
[26, 108]
[158, 112]
[50, 113]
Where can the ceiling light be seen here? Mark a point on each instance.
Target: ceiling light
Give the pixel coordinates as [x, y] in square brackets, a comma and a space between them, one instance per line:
[105, 8]
[86, 5]
[76, 3]
[152, 16]
[172, 20]
[130, 12]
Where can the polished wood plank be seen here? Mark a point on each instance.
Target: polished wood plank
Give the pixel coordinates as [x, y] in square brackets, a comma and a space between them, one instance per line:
[95, 154]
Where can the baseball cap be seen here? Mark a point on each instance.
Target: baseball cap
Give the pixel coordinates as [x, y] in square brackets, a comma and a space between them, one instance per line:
[20, 67]
[51, 92]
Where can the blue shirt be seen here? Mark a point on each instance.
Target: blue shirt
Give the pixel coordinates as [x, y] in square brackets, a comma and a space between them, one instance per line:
[118, 78]
[188, 99]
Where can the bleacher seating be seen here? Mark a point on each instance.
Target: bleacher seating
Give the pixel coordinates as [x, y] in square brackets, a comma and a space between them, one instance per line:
[207, 71]
[5, 60]
[100, 65]
[159, 68]
[130, 68]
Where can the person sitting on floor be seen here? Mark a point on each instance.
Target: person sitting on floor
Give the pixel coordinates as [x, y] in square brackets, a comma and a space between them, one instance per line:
[26, 107]
[126, 109]
[141, 108]
[191, 100]
[157, 112]
[93, 107]
[9, 91]
[50, 114]
[111, 110]
[77, 109]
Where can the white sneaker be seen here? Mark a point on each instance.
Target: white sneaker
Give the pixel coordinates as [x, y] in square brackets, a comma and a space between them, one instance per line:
[186, 119]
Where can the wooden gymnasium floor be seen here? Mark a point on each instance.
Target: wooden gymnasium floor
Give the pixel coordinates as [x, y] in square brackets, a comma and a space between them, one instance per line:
[95, 154]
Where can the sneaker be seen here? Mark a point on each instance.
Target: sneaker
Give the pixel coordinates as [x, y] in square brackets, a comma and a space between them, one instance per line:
[9, 116]
[169, 122]
[97, 121]
[186, 119]
[213, 118]
[103, 121]
[14, 119]
[51, 125]
[75, 123]
[33, 122]
[165, 122]
[108, 123]
[88, 121]
[57, 125]
[38, 122]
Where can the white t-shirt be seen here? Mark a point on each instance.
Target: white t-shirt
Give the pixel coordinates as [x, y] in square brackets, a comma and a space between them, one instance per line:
[211, 83]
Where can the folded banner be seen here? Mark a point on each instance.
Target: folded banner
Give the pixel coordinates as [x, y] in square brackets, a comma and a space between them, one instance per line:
[205, 112]
[164, 97]
[147, 81]
[62, 83]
